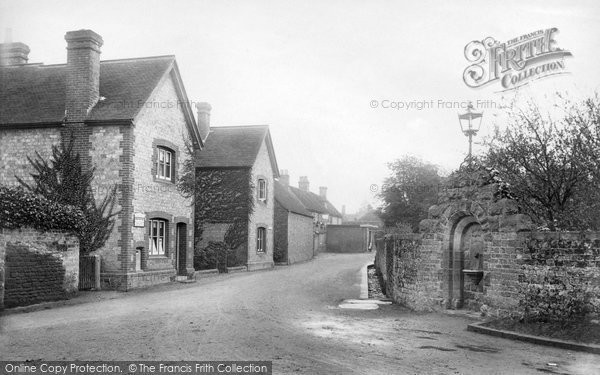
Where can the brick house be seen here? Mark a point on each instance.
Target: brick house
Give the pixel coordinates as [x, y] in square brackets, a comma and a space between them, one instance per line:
[128, 118]
[246, 154]
[323, 211]
[293, 227]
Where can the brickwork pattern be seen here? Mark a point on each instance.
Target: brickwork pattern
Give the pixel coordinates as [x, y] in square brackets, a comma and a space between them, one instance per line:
[37, 266]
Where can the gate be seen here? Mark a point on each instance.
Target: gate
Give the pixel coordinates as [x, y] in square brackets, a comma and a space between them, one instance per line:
[87, 272]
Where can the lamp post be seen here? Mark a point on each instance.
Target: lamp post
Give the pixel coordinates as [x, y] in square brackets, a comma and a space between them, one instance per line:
[470, 122]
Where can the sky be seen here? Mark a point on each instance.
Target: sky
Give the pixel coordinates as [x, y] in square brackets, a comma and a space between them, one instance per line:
[324, 74]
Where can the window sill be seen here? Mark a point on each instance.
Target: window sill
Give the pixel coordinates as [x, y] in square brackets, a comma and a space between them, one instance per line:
[158, 256]
[164, 181]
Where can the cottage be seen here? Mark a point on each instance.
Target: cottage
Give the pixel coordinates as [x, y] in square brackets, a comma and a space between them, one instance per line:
[235, 175]
[323, 211]
[293, 225]
[128, 118]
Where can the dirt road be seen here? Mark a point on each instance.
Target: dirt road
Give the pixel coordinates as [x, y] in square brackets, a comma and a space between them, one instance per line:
[289, 315]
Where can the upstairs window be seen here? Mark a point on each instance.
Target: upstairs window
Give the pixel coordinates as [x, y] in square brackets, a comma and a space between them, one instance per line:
[158, 237]
[164, 164]
[262, 189]
[261, 240]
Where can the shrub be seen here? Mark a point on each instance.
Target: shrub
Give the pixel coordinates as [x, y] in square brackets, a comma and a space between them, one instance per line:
[216, 255]
[19, 208]
[557, 298]
[64, 180]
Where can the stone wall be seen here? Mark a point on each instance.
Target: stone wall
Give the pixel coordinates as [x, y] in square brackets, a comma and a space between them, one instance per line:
[477, 251]
[37, 266]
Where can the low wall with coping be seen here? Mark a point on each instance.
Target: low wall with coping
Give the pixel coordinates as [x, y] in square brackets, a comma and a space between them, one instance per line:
[37, 266]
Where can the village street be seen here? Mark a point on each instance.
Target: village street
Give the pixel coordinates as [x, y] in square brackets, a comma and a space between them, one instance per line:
[289, 315]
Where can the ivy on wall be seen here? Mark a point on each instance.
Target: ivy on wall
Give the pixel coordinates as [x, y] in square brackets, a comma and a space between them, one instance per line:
[20, 208]
[222, 195]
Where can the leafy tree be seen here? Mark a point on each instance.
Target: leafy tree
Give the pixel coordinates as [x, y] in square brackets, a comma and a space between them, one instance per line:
[551, 162]
[64, 180]
[409, 192]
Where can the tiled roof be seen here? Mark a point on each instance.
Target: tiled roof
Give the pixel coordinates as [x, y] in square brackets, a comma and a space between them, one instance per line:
[235, 146]
[35, 93]
[288, 200]
[309, 200]
[330, 207]
[314, 202]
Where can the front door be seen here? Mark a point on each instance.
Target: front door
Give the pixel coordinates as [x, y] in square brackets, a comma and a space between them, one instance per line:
[181, 249]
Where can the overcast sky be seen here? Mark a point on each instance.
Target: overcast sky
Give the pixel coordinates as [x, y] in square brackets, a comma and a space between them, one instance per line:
[311, 69]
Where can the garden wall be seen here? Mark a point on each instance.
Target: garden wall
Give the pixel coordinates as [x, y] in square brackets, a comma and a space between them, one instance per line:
[477, 251]
[37, 266]
[414, 274]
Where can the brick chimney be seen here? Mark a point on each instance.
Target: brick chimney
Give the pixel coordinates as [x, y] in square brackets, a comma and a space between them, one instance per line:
[83, 73]
[284, 177]
[303, 183]
[323, 192]
[13, 54]
[203, 110]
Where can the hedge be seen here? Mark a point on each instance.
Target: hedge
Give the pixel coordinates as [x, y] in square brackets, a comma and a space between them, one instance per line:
[19, 208]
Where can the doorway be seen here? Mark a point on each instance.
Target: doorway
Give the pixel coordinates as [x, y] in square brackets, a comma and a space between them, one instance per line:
[181, 236]
[465, 267]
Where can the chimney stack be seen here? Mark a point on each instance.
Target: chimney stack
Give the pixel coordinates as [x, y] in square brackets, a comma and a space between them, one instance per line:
[83, 73]
[323, 192]
[284, 177]
[203, 110]
[303, 183]
[344, 210]
[13, 54]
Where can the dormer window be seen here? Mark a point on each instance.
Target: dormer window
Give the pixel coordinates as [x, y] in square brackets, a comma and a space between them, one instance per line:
[164, 164]
[262, 189]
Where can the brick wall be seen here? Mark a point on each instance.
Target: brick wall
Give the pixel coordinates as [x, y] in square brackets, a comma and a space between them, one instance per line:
[347, 239]
[300, 238]
[435, 269]
[37, 266]
[280, 233]
[263, 213]
[17, 144]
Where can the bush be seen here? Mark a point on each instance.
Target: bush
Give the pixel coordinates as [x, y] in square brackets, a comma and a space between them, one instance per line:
[215, 255]
[19, 208]
[555, 298]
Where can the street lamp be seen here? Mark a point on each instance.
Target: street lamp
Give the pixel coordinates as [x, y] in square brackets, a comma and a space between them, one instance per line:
[470, 122]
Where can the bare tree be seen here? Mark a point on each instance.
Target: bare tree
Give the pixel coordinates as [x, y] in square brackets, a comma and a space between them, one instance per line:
[551, 162]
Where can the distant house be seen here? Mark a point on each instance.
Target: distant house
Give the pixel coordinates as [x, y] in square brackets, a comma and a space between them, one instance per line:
[128, 118]
[370, 218]
[235, 175]
[323, 211]
[293, 226]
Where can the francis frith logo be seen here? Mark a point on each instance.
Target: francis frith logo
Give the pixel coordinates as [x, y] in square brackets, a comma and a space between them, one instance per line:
[516, 62]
